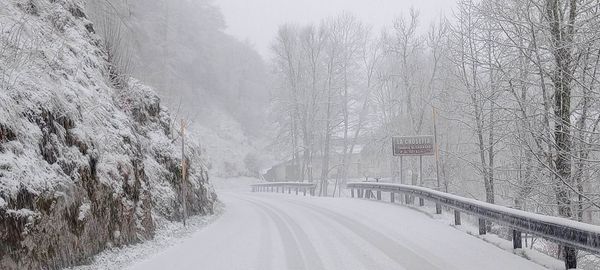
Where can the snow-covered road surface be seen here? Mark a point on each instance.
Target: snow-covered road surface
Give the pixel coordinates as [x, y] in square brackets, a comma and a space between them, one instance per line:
[279, 231]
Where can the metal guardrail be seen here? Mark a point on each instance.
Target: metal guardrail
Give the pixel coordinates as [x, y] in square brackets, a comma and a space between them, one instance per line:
[282, 186]
[565, 232]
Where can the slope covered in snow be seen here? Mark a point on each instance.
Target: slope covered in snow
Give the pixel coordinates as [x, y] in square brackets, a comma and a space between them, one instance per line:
[227, 146]
[209, 78]
[85, 164]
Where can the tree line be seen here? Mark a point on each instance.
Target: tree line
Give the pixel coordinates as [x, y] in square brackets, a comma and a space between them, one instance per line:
[514, 84]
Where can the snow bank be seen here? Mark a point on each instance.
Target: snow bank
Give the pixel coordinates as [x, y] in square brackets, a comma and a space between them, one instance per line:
[240, 184]
[167, 234]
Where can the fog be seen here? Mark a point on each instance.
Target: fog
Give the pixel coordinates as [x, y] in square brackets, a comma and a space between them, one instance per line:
[164, 123]
[257, 21]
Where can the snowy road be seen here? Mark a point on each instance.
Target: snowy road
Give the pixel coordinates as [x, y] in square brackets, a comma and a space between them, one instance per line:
[277, 231]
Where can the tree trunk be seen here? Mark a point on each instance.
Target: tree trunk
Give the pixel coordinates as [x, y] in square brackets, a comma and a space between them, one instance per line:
[561, 34]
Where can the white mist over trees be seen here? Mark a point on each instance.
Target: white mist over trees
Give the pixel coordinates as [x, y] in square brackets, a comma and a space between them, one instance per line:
[180, 48]
[211, 79]
[513, 84]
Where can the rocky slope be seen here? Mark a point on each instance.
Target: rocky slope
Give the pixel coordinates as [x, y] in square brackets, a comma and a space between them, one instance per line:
[83, 166]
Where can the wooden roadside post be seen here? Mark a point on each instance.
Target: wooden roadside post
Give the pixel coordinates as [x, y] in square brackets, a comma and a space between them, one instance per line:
[183, 173]
[438, 207]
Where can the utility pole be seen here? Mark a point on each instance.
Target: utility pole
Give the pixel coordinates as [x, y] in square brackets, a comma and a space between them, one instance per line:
[438, 207]
[437, 152]
[183, 172]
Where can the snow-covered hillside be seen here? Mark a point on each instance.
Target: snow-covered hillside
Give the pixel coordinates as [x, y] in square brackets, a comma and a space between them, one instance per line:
[83, 166]
[206, 76]
[227, 145]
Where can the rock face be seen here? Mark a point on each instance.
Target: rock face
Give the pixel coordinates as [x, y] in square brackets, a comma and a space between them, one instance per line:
[83, 166]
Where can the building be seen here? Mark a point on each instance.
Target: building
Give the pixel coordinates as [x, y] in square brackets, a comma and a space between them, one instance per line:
[289, 170]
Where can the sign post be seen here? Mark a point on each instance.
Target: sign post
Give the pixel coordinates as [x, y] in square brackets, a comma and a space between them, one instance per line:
[413, 146]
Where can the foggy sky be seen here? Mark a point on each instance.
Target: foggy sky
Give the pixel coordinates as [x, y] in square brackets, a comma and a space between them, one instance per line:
[257, 20]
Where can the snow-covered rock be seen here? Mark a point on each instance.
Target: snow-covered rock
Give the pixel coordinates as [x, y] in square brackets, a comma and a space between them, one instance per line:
[83, 166]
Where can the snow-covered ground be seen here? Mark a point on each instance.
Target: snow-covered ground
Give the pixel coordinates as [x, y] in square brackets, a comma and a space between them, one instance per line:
[281, 231]
[167, 234]
[239, 184]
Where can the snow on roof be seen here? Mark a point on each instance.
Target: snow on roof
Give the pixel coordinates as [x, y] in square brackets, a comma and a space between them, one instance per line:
[356, 150]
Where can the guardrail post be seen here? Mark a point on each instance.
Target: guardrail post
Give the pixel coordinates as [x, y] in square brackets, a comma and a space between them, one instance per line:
[352, 192]
[482, 230]
[421, 202]
[360, 193]
[392, 197]
[517, 241]
[379, 195]
[296, 190]
[304, 190]
[290, 190]
[457, 217]
[438, 208]
[570, 257]
[406, 198]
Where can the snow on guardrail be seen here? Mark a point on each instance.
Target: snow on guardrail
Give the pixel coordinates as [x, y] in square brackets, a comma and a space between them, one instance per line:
[560, 230]
[277, 186]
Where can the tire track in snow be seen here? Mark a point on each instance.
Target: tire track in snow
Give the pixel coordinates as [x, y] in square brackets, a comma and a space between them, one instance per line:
[291, 249]
[395, 251]
[265, 260]
[343, 238]
[311, 258]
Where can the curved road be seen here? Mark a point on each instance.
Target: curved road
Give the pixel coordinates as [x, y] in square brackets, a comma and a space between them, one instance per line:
[279, 231]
